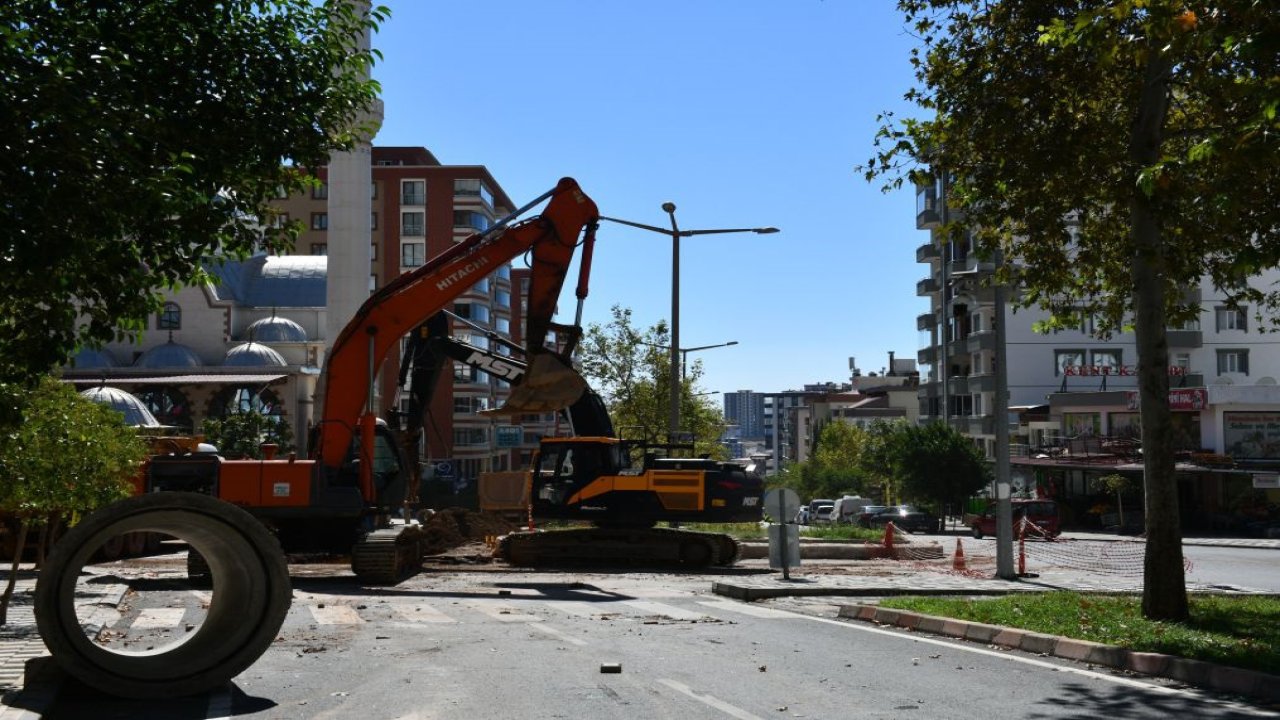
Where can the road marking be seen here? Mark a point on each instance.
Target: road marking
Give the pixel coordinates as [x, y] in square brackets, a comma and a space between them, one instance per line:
[710, 701]
[964, 646]
[335, 615]
[151, 618]
[219, 707]
[556, 633]
[745, 609]
[667, 611]
[502, 612]
[420, 613]
[582, 608]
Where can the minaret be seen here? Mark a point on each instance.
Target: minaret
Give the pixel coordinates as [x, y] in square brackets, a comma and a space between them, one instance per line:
[350, 232]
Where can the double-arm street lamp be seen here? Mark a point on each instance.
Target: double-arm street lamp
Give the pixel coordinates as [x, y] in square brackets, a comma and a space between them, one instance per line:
[673, 418]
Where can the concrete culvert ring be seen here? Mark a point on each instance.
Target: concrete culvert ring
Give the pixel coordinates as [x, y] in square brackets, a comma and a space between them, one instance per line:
[250, 598]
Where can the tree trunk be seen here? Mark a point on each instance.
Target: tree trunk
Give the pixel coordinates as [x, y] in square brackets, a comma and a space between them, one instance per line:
[1164, 591]
[13, 573]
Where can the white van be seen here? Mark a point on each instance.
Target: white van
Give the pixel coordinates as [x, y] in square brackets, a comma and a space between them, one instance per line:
[847, 508]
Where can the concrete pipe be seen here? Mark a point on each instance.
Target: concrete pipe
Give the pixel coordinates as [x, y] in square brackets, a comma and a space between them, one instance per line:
[251, 595]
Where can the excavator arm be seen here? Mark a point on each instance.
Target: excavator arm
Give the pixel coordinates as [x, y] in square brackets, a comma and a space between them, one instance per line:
[406, 302]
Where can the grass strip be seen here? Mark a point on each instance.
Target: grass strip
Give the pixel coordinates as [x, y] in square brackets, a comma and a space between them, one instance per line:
[1240, 631]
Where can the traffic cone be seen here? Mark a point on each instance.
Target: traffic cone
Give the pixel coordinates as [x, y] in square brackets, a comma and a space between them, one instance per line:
[958, 563]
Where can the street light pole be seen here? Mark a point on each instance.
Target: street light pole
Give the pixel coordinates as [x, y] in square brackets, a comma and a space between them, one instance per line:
[684, 355]
[673, 414]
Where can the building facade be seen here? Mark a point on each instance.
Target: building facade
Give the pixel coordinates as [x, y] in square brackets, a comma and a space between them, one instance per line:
[745, 409]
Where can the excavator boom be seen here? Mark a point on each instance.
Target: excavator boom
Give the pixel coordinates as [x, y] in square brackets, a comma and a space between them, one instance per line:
[402, 304]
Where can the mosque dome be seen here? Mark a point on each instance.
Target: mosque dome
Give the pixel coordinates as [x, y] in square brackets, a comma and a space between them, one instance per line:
[135, 412]
[253, 354]
[275, 329]
[169, 355]
[91, 359]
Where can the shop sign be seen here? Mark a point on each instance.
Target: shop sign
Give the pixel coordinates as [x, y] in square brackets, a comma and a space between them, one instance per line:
[1254, 435]
[1181, 399]
[1124, 370]
[508, 436]
[1266, 481]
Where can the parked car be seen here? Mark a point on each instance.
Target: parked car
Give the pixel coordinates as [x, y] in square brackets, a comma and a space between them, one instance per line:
[907, 518]
[868, 512]
[1043, 513]
[824, 514]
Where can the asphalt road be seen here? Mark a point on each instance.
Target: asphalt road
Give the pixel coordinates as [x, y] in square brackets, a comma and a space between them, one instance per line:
[473, 642]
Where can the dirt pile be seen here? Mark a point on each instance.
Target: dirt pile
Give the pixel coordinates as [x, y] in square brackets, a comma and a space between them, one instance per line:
[446, 529]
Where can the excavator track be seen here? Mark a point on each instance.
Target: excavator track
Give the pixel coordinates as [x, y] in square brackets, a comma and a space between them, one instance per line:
[614, 546]
[387, 556]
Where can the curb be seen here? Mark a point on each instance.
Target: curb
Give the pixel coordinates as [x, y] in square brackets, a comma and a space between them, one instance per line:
[851, 551]
[751, 594]
[1219, 678]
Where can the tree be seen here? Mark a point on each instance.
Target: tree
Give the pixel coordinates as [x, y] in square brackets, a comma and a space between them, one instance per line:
[242, 434]
[938, 465]
[879, 457]
[630, 369]
[144, 138]
[1114, 153]
[67, 456]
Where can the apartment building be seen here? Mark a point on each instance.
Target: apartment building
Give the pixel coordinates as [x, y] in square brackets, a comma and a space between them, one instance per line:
[1073, 397]
[745, 408]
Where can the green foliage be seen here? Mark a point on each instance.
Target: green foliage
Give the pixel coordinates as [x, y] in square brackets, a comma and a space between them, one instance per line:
[1110, 154]
[142, 139]
[937, 465]
[1237, 631]
[631, 370]
[67, 455]
[241, 434]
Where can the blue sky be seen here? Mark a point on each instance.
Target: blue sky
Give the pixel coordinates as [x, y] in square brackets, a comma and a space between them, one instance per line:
[744, 114]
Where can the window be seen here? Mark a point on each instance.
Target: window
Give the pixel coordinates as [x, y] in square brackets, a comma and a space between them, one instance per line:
[473, 187]
[319, 221]
[373, 190]
[1108, 360]
[1231, 319]
[472, 311]
[502, 298]
[320, 191]
[470, 436]
[469, 219]
[373, 251]
[276, 219]
[413, 192]
[481, 286]
[502, 325]
[1233, 361]
[413, 224]
[373, 221]
[413, 254]
[504, 272]
[170, 317]
[319, 248]
[1063, 359]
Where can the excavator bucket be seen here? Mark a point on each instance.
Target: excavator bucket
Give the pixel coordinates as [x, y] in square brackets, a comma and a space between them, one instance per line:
[549, 384]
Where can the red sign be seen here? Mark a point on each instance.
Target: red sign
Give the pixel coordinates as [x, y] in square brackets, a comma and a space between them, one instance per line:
[1126, 370]
[1183, 399]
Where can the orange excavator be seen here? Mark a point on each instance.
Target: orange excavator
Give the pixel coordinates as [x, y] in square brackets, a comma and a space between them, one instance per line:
[341, 499]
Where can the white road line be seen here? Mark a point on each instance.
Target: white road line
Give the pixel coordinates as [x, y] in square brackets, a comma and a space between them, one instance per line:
[219, 707]
[669, 611]
[965, 646]
[582, 608]
[501, 611]
[558, 634]
[158, 618]
[746, 609]
[335, 615]
[710, 701]
[420, 613]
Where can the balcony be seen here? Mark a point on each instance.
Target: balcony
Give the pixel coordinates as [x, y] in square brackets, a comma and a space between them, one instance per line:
[957, 385]
[926, 355]
[985, 340]
[926, 321]
[926, 287]
[926, 208]
[982, 383]
[985, 425]
[927, 252]
[1185, 338]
